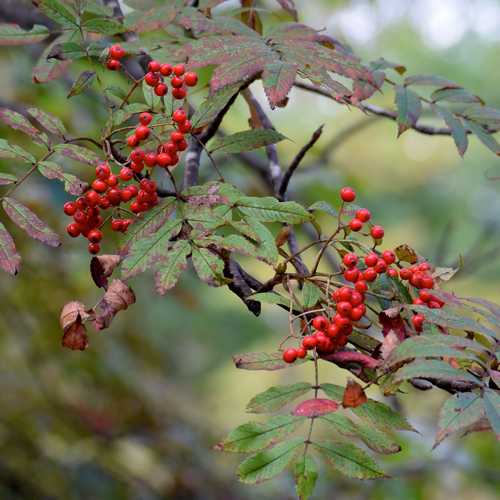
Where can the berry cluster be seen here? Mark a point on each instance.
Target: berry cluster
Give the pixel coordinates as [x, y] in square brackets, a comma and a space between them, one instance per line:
[348, 305]
[115, 53]
[179, 79]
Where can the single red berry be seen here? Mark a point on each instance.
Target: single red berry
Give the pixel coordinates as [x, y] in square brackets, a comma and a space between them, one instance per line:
[358, 312]
[73, 229]
[126, 195]
[81, 203]
[418, 322]
[363, 214]
[355, 225]
[154, 66]
[80, 217]
[177, 82]
[350, 260]
[377, 232]
[351, 275]
[309, 342]
[178, 93]
[94, 248]
[95, 236]
[116, 225]
[380, 266]
[170, 148]
[135, 207]
[137, 155]
[179, 115]
[344, 309]
[176, 136]
[191, 79]
[344, 294]
[341, 321]
[148, 185]
[150, 159]
[102, 171]
[114, 196]
[320, 323]
[126, 174]
[137, 167]
[70, 208]
[113, 64]
[142, 132]
[151, 79]
[161, 89]
[361, 286]
[164, 160]
[145, 118]
[434, 304]
[418, 302]
[182, 145]
[392, 272]
[416, 279]
[332, 331]
[179, 69]
[427, 282]
[290, 355]
[132, 140]
[301, 353]
[92, 197]
[370, 274]
[347, 194]
[166, 69]
[175, 159]
[185, 127]
[357, 298]
[133, 189]
[405, 273]
[371, 259]
[389, 257]
[104, 203]
[116, 51]
[99, 185]
[425, 295]
[112, 180]
[424, 266]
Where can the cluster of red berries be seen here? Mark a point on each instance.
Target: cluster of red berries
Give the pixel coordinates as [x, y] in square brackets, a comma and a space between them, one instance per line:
[106, 193]
[115, 53]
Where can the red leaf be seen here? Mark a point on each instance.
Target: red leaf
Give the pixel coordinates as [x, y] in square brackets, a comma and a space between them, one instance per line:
[10, 260]
[315, 408]
[395, 324]
[354, 395]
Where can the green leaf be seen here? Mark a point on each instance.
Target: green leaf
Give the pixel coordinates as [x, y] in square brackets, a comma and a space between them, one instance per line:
[85, 78]
[268, 463]
[276, 397]
[458, 131]
[434, 369]
[454, 95]
[6, 179]
[213, 104]
[305, 473]
[152, 100]
[431, 346]
[278, 78]
[105, 26]
[484, 136]
[484, 115]
[49, 122]
[269, 209]
[237, 244]
[72, 184]
[267, 250]
[17, 121]
[246, 141]
[310, 294]
[349, 460]
[208, 266]
[262, 361]
[71, 51]
[148, 252]
[271, 298]
[459, 414]
[376, 439]
[46, 68]
[24, 218]
[379, 414]
[409, 108]
[491, 400]
[429, 80]
[77, 153]
[171, 269]
[324, 206]
[13, 34]
[57, 11]
[381, 64]
[10, 260]
[13, 151]
[255, 436]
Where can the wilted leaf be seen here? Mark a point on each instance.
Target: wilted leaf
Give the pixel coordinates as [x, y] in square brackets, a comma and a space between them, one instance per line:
[381, 64]
[102, 267]
[49, 122]
[315, 407]
[47, 69]
[434, 369]
[77, 153]
[306, 474]
[10, 260]
[405, 253]
[269, 463]
[409, 108]
[255, 436]
[289, 6]
[75, 337]
[85, 78]
[72, 184]
[17, 121]
[117, 298]
[349, 460]
[171, 268]
[276, 397]
[354, 395]
[246, 141]
[269, 209]
[444, 273]
[72, 312]
[13, 34]
[261, 361]
[23, 217]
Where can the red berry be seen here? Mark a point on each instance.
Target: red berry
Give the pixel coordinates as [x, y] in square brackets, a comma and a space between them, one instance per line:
[112, 180]
[371, 259]
[80, 217]
[92, 197]
[142, 132]
[95, 236]
[126, 174]
[151, 79]
[161, 89]
[102, 171]
[424, 266]
[389, 257]
[418, 322]
[116, 225]
[150, 159]
[347, 194]
[344, 294]
[145, 118]
[166, 69]
[344, 309]
[148, 185]
[113, 64]
[99, 185]
[73, 229]
[427, 282]
[380, 266]
[154, 66]
[392, 272]
[137, 155]
[177, 136]
[94, 248]
[164, 159]
[309, 342]
[70, 208]
[377, 232]
[320, 323]
[355, 225]
[350, 260]
[179, 115]
[132, 140]
[170, 148]
[332, 330]
[135, 207]
[179, 69]
[363, 214]
[116, 51]
[434, 304]
[178, 93]
[351, 275]
[416, 279]
[425, 295]
[104, 203]
[358, 312]
[191, 79]
[126, 195]
[370, 274]
[177, 82]
[137, 167]
[361, 286]
[290, 355]
[301, 353]
[405, 273]
[114, 196]
[356, 298]
[341, 321]
[418, 302]
[185, 127]
[133, 189]
[182, 145]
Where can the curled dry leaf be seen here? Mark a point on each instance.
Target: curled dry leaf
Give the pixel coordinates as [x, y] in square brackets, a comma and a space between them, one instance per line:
[391, 321]
[102, 267]
[117, 298]
[75, 337]
[72, 312]
[354, 395]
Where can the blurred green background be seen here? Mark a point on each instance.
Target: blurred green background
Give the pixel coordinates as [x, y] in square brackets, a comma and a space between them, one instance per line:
[136, 415]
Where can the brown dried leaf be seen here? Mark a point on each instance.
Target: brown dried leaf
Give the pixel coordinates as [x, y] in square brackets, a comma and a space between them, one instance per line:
[102, 267]
[406, 254]
[117, 298]
[75, 337]
[72, 313]
[390, 342]
[354, 395]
